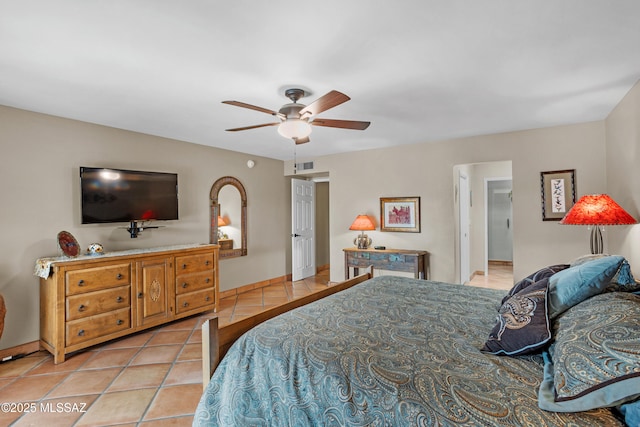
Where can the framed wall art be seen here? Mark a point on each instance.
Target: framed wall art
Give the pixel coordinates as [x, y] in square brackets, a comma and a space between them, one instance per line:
[400, 214]
[558, 193]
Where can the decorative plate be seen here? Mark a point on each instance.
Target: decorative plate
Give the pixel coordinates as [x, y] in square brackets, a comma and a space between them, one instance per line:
[68, 244]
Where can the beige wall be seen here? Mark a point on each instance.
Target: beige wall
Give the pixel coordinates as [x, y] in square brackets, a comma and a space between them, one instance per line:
[623, 174]
[40, 196]
[425, 170]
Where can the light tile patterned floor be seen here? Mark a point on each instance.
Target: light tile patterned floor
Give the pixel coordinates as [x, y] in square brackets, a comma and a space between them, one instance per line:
[500, 277]
[151, 379]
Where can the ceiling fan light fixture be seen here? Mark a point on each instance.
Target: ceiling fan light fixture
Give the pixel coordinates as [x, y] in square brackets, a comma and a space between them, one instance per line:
[294, 128]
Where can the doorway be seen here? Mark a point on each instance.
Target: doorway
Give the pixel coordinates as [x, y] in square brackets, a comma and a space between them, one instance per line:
[499, 222]
[303, 230]
[471, 211]
[464, 220]
[321, 252]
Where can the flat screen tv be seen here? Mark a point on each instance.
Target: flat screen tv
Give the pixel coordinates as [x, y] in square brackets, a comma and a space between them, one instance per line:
[118, 195]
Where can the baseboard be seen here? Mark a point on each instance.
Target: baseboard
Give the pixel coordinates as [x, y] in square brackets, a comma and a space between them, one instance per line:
[252, 286]
[19, 351]
[322, 268]
[500, 262]
[263, 283]
[476, 273]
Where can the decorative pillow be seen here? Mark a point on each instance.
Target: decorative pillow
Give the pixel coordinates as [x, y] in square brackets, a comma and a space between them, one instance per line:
[586, 258]
[522, 325]
[631, 413]
[594, 361]
[623, 281]
[533, 278]
[574, 285]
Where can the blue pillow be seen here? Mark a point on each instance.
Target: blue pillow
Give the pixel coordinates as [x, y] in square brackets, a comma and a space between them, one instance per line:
[631, 413]
[533, 278]
[574, 285]
[623, 281]
[594, 360]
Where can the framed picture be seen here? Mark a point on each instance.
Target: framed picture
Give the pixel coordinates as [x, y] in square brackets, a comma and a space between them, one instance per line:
[400, 214]
[558, 193]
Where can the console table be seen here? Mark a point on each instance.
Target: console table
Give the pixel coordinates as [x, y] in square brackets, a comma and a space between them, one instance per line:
[387, 259]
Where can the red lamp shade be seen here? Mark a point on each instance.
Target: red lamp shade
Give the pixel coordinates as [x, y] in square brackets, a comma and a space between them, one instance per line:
[597, 209]
[362, 223]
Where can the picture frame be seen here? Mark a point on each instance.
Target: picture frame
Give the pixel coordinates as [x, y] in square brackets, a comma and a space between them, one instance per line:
[400, 214]
[558, 191]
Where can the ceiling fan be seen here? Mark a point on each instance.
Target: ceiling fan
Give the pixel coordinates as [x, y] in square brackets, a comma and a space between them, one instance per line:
[296, 119]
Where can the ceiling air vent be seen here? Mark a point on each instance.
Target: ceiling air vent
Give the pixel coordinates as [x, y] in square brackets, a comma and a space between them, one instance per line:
[304, 166]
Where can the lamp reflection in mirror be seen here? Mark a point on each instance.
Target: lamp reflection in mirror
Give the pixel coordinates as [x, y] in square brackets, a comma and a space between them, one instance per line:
[362, 223]
[221, 223]
[596, 211]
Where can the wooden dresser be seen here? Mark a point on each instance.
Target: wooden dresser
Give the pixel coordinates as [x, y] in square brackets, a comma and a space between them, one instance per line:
[88, 300]
[407, 260]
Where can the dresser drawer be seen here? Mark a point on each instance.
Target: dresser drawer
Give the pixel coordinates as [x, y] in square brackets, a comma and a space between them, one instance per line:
[90, 303]
[194, 263]
[93, 279]
[96, 326]
[193, 300]
[193, 282]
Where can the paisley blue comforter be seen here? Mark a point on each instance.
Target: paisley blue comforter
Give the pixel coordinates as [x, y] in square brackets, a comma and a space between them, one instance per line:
[391, 351]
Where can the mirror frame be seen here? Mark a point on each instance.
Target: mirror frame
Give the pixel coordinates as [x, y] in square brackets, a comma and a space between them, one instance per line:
[215, 211]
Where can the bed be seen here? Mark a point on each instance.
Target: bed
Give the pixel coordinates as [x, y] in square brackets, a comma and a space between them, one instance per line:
[394, 351]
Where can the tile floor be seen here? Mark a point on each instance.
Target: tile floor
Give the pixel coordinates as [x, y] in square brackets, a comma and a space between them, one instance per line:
[500, 277]
[151, 379]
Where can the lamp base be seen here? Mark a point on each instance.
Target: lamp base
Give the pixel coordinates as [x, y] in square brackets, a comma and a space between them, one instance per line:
[597, 247]
[362, 241]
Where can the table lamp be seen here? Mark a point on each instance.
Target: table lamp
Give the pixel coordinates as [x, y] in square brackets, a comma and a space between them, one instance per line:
[221, 223]
[596, 211]
[362, 223]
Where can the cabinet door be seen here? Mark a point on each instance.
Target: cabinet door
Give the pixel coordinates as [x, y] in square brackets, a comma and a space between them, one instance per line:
[154, 291]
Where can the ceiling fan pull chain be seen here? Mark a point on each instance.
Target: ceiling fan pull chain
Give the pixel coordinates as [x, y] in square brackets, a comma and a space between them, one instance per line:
[295, 161]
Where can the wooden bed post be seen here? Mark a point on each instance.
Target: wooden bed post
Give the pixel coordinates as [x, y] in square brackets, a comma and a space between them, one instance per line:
[210, 351]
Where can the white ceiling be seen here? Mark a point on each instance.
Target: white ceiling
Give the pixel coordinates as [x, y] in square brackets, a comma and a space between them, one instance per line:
[419, 70]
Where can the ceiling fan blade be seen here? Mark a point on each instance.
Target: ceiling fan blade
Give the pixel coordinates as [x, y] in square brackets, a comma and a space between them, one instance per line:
[253, 107]
[342, 124]
[252, 127]
[330, 100]
[299, 141]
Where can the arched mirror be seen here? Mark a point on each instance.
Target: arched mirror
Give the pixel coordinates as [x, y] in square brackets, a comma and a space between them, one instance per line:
[229, 217]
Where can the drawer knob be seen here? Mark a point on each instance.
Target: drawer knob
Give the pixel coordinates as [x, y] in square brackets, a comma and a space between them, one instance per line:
[139, 294]
[119, 276]
[184, 266]
[119, 322]
[82, 307]
[119, 299]
[207, 280]
[185, 304]
[81, 282]
[184, 285]
[81, 333]
[206, 262]
[207, 298]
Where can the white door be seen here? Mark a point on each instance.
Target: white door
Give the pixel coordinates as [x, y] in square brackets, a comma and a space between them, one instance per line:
[463, 206]
[303, 263]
